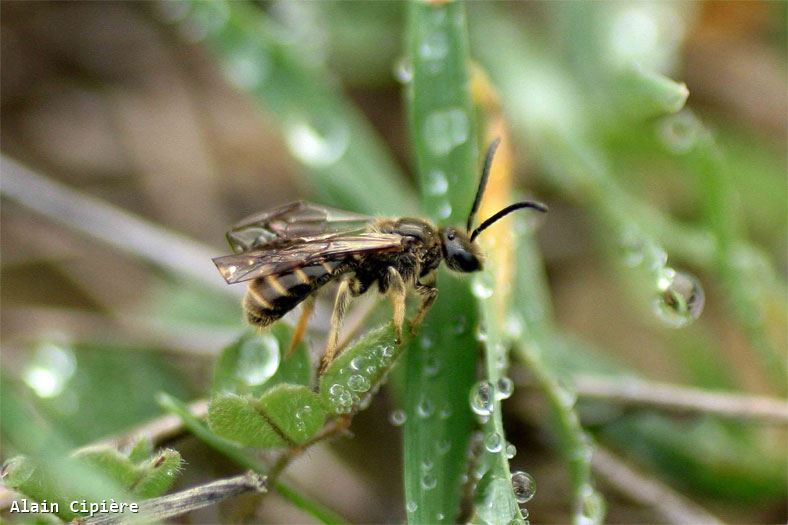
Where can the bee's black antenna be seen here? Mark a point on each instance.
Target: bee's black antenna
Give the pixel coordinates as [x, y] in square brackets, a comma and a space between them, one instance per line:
[483, 181]
[506, 211]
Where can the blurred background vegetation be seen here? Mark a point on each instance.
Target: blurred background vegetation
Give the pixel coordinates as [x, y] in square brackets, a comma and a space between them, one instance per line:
[125, 103]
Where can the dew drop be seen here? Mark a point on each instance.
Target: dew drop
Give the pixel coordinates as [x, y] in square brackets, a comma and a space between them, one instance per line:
[445, 129]
[397, 417]
[358, 383]
[426, 341]
[460, 325]
[480, 288]
[247, 68]
[437, 183]
[432, 365]
[481, 398]
[356, 363]
[429, 481]
[172, 11]
[427, 464]
[504, 388]
[524, 486]
[445, 411]
[318, 143]
[679, 133]
[493, 442]
[434, 46]
[411, 506]
[680, 300]
[403, 70]
[443, 446]
[444, 210]
[513, 326]
[425, 408]
[511, 451]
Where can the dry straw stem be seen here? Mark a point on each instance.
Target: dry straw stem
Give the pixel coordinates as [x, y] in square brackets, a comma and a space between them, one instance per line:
[674, 398]
[665, 502]
[164, 507]
[111, 225]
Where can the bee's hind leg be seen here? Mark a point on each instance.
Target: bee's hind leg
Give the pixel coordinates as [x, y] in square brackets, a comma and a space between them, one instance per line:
[398, 292]
[298, 332]
[340, 307]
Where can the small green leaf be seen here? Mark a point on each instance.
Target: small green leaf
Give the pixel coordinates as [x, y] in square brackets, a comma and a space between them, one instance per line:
[141, 449]
[234, 417]
[295, 410]
[111, 462]
[157, 474]
[17, 471]
[359, 369]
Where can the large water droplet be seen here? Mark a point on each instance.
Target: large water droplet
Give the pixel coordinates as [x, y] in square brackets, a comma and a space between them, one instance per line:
[482, 398]
[493, 442]
[524, 486]
[397, 417]
[504, 388]
[680, 300]
[50, 370]
[318, 143]
[258, 359]
[445, 129]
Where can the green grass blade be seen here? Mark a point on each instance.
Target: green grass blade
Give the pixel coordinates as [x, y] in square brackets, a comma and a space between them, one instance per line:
[342, 157]
[440, 363]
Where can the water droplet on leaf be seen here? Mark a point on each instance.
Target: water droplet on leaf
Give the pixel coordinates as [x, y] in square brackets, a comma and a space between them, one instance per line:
[482, 398]
[680, 300]
[524, 486]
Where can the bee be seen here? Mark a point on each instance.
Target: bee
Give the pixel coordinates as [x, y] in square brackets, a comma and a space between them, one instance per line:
[287, 254]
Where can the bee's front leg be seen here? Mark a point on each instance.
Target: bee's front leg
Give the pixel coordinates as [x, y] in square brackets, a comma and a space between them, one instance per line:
[398, 292]
[428, 293]
[340, 307]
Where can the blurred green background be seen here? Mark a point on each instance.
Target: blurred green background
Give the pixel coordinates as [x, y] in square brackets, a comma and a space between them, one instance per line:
[124, 102]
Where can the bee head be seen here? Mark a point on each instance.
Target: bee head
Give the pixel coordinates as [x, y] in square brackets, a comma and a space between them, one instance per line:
[460, 254]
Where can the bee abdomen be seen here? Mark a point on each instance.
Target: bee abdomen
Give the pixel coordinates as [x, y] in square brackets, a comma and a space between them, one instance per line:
[269, 298]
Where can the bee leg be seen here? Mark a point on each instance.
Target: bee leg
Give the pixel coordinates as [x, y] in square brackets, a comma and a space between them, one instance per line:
[428, 293]
[298, 332]
[399, 293]
[340, 306]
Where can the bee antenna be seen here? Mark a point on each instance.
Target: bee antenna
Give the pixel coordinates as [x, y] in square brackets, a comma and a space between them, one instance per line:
[506, 211]
[488, 157]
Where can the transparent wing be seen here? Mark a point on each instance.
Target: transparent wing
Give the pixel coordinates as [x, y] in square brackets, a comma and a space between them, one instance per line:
[302, 252]
[293, 220]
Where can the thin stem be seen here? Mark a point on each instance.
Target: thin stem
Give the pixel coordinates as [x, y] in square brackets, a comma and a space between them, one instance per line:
[244, 459]
[665, 396]
[102, 221]
[171, 505]
[668, 504]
